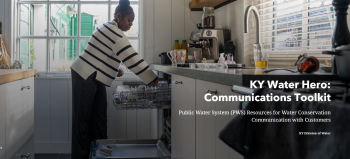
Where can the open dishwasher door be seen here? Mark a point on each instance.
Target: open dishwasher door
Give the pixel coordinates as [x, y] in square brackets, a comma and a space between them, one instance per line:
[136, 96]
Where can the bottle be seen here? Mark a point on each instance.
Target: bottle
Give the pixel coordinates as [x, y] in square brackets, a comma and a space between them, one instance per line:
[184, 47]
[176, 45]
[222, 58]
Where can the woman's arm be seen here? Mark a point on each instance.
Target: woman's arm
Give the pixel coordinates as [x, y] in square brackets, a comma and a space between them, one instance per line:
[133, 61]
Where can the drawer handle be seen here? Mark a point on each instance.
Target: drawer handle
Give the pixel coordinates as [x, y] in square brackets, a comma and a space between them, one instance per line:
[211, 92]
[178, 82]
[25, 87]
[25, 155]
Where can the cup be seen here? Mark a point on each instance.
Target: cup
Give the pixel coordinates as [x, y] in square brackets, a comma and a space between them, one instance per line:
[197, 55]
[261, 55]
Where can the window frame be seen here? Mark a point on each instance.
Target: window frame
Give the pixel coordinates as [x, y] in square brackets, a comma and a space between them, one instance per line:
[78, 38]
[291, 53]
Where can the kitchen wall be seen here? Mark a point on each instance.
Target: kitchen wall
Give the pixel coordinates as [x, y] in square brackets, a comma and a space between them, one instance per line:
[169, 20]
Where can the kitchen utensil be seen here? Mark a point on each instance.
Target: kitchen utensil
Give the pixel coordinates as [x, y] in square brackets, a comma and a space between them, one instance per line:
[162, 85]
[164, 59]
[197, 55]
[229, 48]
[342, 57]
[177, 56]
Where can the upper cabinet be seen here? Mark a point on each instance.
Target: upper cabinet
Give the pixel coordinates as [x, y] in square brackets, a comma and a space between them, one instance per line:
[197, 5]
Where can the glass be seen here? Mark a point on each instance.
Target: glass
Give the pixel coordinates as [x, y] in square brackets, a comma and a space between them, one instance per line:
[63, 22]
[208, 18]
[162, 85]
[32, 20]
[33, 53]
[92, 16]
[134, 30]
[63, 52]
[261, 55]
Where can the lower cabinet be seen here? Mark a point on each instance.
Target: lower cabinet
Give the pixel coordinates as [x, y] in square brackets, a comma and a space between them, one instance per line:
[17, 118]
[208, 127]
[197, 136]
[2, 121]
[183, 126]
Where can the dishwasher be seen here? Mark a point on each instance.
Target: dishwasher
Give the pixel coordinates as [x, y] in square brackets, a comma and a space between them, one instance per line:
[139, 97]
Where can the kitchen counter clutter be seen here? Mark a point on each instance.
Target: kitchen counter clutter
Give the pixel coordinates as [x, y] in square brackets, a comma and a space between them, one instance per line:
[241, 76]
[10, 75]
[16, 114]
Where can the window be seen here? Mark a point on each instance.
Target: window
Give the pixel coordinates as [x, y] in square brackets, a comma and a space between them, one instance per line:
[52, 34]
[294, 27]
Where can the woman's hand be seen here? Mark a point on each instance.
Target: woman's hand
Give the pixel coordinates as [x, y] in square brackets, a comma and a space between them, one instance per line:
[160, 79]
[120, 73]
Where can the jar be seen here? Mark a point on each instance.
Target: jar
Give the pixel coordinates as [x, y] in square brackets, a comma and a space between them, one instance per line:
[208, 18]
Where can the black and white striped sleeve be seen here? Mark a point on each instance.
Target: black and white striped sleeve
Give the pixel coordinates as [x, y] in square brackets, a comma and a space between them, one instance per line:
[133, 61]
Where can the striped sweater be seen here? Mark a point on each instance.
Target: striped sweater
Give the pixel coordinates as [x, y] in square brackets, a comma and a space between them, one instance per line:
[107, 48]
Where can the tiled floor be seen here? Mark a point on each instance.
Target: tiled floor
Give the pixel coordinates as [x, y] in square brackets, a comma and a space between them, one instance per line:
[52, 156]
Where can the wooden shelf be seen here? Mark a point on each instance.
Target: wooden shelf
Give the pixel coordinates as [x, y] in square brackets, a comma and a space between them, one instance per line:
[197, 5]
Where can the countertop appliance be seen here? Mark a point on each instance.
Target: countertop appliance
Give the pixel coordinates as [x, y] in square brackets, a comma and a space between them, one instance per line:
[212, 42]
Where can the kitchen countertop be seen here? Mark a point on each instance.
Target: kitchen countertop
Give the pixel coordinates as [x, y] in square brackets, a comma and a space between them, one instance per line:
[237, 76]
[10, 75]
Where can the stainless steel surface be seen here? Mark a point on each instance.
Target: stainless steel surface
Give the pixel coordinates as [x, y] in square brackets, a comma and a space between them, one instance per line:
[241, 76]
[159, 98]
[211, 41]
[246, 21]
[211, 92]
[131, 149]
[178, 82]
[25, 155]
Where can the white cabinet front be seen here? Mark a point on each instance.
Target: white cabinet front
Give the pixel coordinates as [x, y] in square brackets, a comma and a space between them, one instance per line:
[2, 121]
[183, 126]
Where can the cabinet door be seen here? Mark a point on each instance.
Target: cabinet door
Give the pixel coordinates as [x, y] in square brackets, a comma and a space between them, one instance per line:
[2, 120]
[183, 127]
[208, 127]
[205, 124]
[14, 118]
[28, 120]
[28, 107]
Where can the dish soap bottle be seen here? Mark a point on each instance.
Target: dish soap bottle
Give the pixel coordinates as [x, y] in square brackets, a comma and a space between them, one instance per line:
[222, 58]
[176, 45]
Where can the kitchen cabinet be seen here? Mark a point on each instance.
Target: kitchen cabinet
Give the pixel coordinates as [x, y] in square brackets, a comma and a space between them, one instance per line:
[2, 120]
[17, 118]
[208, 127]
[183, 126]
[196, 136]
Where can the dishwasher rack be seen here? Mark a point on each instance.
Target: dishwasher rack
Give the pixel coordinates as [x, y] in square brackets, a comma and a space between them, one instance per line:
[158, 98]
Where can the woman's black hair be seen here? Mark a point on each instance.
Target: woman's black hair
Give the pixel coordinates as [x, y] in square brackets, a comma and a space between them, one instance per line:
[124, 8]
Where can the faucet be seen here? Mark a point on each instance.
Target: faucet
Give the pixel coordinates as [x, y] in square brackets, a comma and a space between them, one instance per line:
[246, 21]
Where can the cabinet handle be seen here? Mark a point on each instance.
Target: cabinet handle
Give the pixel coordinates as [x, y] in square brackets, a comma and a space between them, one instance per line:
[211, 92]
[25, 87]
[25, 155]
[178, 82]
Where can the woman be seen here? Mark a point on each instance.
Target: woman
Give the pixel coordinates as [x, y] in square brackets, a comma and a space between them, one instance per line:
[96, 68]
